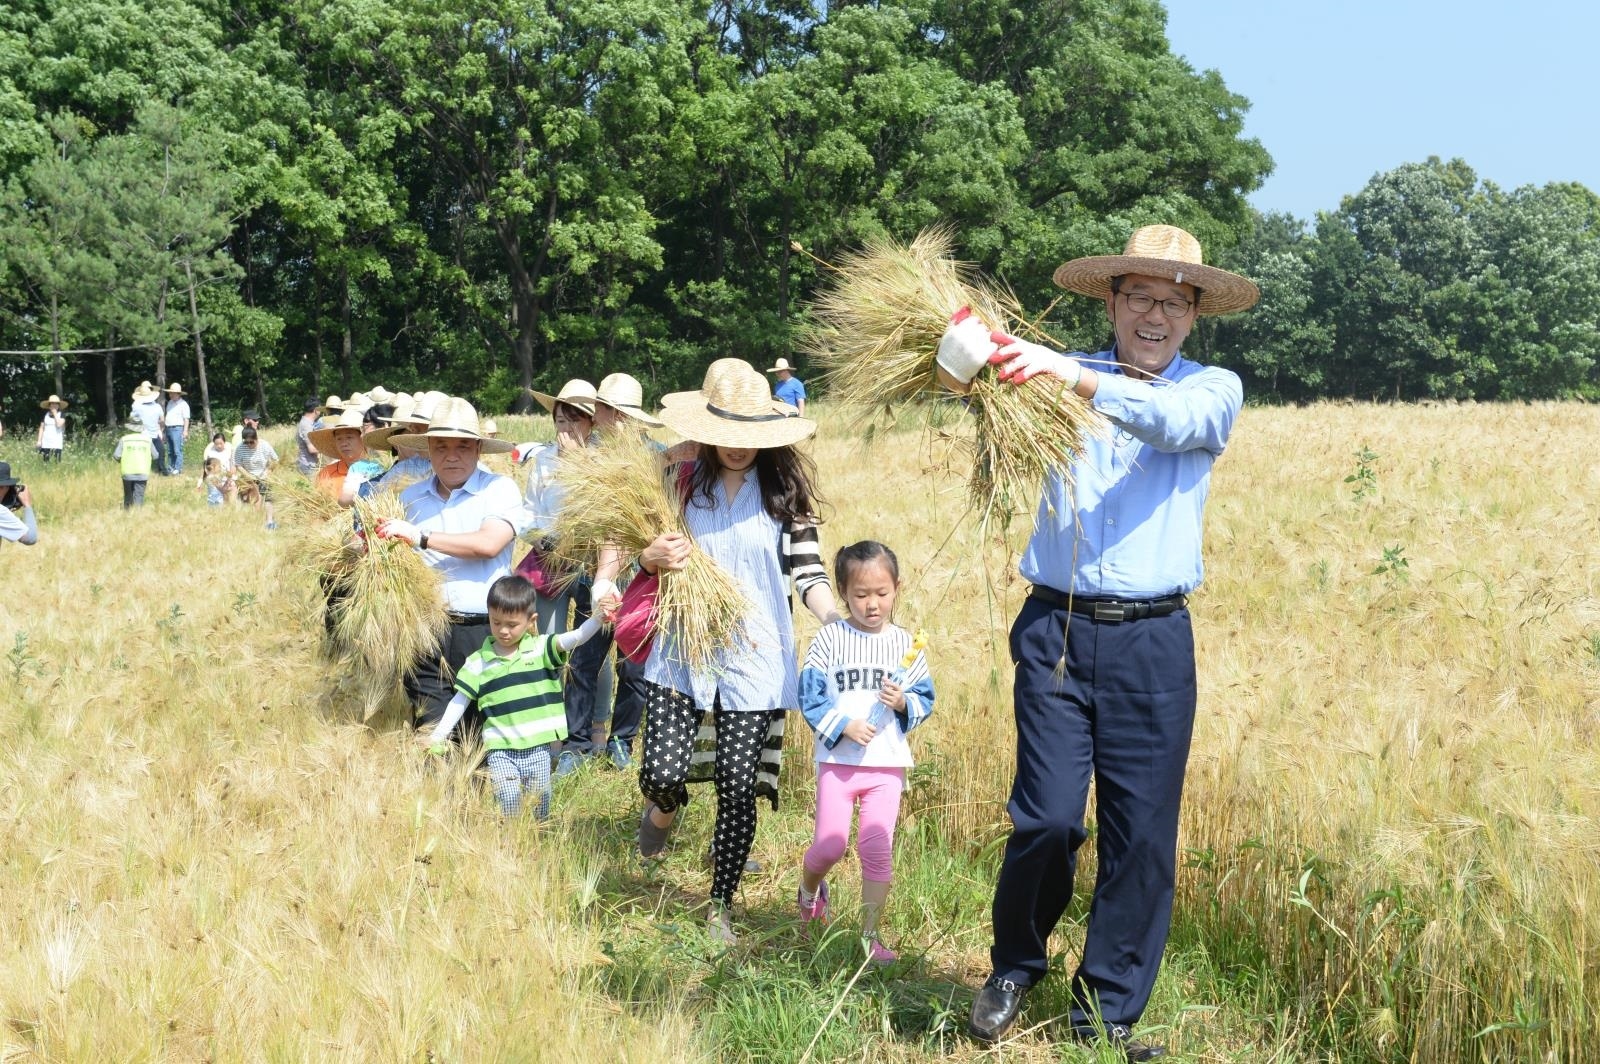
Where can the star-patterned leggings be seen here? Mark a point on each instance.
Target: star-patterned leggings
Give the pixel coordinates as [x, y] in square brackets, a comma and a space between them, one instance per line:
[670, 725]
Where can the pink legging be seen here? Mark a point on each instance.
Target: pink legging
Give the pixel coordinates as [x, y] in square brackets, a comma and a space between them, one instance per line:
[839, 788]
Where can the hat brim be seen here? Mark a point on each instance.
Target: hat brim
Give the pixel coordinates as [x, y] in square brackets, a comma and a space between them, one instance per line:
[414, 442]
[140, 397]
[379, 439]
[549, 402]
[637, 413]
[694, 420]
[1223, 292]
[44, 404]
[322, 440]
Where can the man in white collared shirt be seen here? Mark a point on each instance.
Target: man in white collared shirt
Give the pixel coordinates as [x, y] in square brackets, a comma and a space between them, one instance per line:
[463, 518]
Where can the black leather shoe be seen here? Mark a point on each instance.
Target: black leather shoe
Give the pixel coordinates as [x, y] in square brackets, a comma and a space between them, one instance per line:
[995, 1009]
[1122, 1038]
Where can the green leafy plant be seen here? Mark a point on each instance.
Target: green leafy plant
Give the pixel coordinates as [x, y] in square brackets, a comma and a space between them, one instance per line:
[1394, 565]
[1364, 480]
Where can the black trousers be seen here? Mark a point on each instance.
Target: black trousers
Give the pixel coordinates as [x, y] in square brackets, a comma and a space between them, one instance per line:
[430, 685]
[582, 688]
[1120, 715]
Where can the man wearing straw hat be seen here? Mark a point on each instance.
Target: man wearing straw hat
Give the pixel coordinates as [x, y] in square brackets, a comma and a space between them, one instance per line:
[463, 518]
[789, 389]
[53, 428]
[175, 427]
[412, 464]
[147, 412]
[1105, 685]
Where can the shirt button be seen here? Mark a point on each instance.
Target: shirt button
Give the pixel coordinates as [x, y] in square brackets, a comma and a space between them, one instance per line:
[1110, 521]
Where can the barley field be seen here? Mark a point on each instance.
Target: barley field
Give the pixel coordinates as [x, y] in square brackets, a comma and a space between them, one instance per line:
[210, 851]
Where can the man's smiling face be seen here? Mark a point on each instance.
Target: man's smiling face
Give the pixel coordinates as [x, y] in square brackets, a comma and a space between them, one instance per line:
[1148, 340]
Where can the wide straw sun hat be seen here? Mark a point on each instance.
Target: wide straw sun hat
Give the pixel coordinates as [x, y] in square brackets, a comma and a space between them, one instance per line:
[736, 409]
[780, 366]
[1161, 251]
[721, 368]
[576, 392]
[453, 419]
[333, 404]
[54, 398]
[322, 438]
[625, 394]
[380, 394]
[175, 389]
[145, 392]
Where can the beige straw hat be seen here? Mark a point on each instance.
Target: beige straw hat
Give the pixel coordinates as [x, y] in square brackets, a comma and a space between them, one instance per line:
[490, 429]
[576, 392]
[378, 439]
[322, 438]
[174, 388]
[1161, 251]
[54, 398]
[736, 409]
[380, 394]
[715, 372]
[333, 404]
[453, 419]
[145, 392]
[623, 393]
[781, 364]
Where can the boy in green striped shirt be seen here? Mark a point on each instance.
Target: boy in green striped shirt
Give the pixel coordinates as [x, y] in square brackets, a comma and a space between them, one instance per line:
[515, 679]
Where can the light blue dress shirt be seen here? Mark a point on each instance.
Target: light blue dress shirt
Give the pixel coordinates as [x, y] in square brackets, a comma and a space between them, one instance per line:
[485, 495]
[1130, 526]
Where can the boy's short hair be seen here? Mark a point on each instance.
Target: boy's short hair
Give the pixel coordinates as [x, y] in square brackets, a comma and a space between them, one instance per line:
[513, 594]
[249, 434]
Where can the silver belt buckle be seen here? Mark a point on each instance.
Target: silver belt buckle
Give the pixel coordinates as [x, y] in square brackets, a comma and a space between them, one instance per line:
[1110, 611]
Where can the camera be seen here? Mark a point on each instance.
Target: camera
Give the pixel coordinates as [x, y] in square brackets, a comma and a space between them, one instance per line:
[11, 497]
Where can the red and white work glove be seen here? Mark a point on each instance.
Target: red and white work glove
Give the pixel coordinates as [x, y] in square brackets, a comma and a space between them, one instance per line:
[1019, 360]
[965, 347]
[394, 528]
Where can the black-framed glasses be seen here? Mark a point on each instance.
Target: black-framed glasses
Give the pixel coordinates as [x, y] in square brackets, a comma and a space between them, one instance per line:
[1140, 303]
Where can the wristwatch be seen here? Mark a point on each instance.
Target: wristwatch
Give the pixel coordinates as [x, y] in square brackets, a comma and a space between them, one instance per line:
[422, 541]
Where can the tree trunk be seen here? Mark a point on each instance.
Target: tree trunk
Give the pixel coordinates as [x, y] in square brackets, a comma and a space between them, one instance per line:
[199, 351]
[161, 351]
[111, 382]
[316, 331]
[56, 361]
[345, 345]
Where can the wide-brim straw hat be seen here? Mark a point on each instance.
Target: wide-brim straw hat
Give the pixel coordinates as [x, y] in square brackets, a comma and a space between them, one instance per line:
[380, 394]
[174, 388]
[322, 438]
[624, 394]
[736, 409]
[453, 419]
[576, 392]
[1167, 252]
[44, 404]
[780, 365]
[145, 392]
[333, 403]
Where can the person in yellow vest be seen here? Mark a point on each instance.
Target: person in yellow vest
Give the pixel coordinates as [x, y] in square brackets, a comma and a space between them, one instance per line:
[136, 451]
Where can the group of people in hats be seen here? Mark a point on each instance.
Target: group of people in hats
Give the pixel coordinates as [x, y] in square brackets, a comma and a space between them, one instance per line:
[1104, 685]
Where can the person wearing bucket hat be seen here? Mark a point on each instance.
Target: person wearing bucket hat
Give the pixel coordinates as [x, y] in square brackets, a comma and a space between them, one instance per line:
[1104, 687]
[411, 465]
[463, 518]
[147, 411]
[344, 477]
[619, 408]
[52, 437]
[749, 503]
[175, 428]
[559, 592]
[17, 521]
[789, 389]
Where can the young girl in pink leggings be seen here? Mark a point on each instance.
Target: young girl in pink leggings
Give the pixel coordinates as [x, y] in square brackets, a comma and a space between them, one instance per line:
[861, 697]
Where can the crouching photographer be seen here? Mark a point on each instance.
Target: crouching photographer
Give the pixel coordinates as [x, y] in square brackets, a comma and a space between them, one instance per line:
[16, 510]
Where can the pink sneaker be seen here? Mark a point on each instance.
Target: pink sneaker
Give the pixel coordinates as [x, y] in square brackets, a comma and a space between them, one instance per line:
[818, 909]
[879, 955]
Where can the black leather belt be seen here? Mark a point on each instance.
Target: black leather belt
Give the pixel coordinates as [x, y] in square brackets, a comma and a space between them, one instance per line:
[1113, 611]
[469, 618]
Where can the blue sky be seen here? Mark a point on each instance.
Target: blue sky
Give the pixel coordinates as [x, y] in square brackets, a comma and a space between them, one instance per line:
[1340, 92]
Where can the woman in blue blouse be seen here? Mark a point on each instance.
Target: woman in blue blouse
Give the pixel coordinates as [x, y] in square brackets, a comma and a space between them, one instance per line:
[750, 505]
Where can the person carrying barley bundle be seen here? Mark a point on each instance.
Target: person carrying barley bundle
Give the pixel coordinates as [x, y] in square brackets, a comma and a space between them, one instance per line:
[1105, 686]
[749, 503]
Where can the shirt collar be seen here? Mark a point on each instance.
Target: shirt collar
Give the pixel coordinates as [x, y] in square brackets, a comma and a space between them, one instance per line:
[474, 483]
[1176, 370]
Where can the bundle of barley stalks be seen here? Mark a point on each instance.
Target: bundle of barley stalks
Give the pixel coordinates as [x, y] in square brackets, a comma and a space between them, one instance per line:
[877, 333]
[618, 495]
[387, 605]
